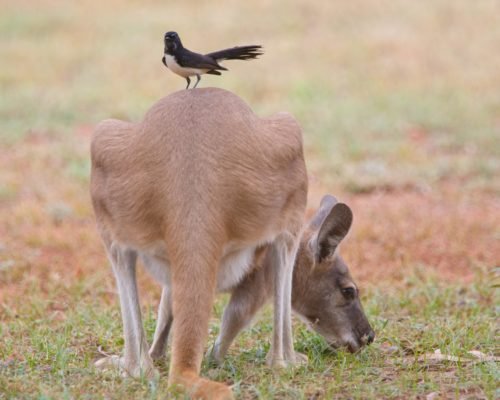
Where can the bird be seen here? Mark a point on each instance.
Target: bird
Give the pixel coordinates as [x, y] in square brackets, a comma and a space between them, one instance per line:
[186, 63]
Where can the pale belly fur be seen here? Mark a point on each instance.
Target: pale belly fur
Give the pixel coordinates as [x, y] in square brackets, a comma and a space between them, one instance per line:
[234, 266]
[177, 69]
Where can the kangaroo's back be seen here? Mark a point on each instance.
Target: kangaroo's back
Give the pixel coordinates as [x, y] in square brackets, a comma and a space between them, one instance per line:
[195, 153]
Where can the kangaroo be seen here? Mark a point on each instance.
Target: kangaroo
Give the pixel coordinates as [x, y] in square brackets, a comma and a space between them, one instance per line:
[195, 190]
[324, 295]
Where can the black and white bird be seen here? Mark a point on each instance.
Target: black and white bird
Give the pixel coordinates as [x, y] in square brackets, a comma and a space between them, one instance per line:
[186, 63]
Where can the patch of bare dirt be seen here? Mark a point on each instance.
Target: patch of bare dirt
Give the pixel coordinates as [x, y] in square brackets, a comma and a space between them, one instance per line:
[446, 230]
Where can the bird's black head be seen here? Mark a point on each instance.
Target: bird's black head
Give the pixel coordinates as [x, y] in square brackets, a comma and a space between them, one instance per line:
[172, 41]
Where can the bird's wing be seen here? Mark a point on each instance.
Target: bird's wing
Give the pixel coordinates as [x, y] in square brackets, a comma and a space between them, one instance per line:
[190, 59]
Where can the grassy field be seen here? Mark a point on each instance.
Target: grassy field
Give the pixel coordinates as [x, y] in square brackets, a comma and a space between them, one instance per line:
[400, 106]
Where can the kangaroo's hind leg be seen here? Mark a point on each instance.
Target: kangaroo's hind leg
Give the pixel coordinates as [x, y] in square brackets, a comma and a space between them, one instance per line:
[136, 361]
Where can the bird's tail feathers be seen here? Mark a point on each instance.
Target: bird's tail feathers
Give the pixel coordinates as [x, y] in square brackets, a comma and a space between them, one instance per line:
[237, 53]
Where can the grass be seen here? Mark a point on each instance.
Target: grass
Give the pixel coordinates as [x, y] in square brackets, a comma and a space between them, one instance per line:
[400, 107]
[48, 348]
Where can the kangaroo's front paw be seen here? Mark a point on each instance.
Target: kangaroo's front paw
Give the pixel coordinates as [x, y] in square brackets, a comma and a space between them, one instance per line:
[157, 353]
[213, 355]
[128, 369]
[277, 361]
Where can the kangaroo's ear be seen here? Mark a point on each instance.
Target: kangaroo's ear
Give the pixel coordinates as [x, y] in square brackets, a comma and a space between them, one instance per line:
[326, 205]
[333, 230]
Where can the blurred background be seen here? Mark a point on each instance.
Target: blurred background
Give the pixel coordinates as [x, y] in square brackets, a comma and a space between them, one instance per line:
[399, 103]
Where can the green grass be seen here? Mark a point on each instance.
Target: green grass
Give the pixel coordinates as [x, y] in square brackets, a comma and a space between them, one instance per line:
[49, 353]
[366, 138]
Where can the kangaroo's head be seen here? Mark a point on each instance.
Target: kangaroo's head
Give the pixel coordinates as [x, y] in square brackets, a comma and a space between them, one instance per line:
[324, 293]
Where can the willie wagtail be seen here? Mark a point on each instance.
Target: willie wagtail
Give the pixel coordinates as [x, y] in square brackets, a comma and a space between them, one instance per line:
[186, 63]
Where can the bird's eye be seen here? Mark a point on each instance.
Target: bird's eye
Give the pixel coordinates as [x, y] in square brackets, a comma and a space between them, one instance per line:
[348, 292]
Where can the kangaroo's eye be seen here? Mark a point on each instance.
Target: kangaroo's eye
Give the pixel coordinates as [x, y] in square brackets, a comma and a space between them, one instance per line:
[348, 292]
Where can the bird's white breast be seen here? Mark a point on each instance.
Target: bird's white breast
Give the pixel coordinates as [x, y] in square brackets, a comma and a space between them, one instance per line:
[182, 71]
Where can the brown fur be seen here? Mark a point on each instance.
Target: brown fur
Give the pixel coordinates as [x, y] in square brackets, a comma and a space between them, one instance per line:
[317, 289]
[199, 177]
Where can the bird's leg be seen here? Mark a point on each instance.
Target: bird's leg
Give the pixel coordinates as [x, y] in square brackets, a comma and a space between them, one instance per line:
[188, 81]
[197, 80]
